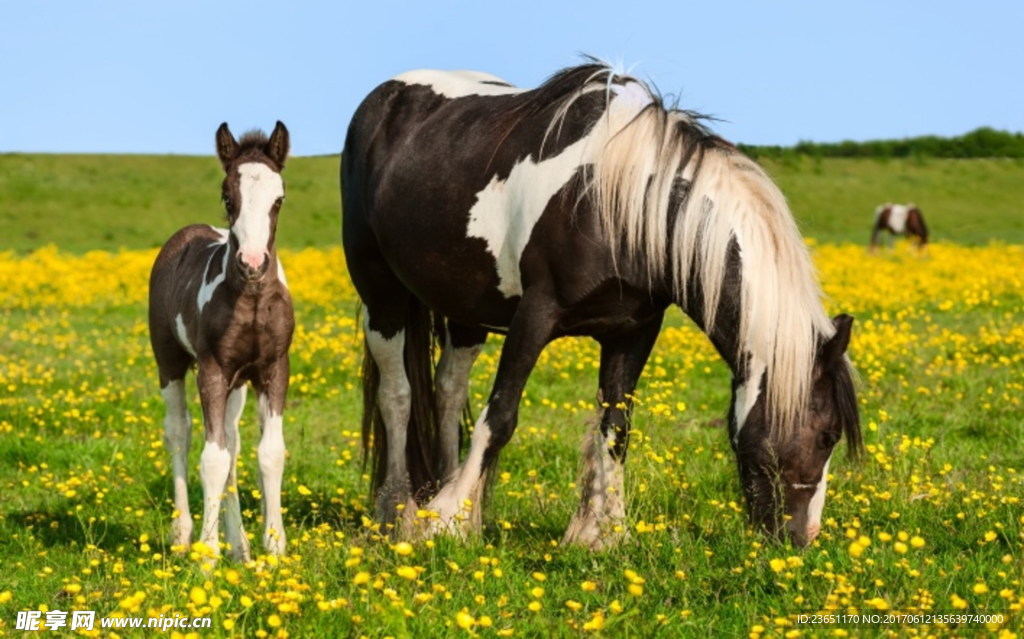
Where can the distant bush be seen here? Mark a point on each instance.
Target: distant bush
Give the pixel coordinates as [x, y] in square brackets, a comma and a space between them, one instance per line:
[984, 142]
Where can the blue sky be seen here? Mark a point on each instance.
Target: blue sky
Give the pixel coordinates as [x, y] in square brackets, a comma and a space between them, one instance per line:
[151, 77]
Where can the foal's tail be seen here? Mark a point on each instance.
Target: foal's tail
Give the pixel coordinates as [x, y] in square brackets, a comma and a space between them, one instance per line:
[422, 452]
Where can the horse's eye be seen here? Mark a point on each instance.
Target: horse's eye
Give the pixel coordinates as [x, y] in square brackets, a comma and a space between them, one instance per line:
[827, 439]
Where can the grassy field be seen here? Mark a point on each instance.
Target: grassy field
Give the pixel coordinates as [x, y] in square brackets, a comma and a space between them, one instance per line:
[931, 520]
[83, 202]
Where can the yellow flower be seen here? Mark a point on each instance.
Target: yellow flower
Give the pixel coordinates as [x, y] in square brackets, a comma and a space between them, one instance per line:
[406, 572]
[778, 565]
[403, 548]
[197, 595]
[304, 491]
[917, 541]
[274, 621]
[464, 620]
[588, 586]
[980, 588]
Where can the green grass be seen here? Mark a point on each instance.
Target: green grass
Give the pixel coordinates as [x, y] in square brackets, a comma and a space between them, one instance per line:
[86, 202]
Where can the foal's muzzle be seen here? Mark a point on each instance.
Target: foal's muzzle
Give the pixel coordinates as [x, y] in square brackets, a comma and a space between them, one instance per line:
[252, 265]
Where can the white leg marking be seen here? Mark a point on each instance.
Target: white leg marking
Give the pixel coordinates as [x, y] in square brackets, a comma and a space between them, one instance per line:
[602, 503]
[457, 84]
[260, 187]
[178, 440]
[179, 328]
[394, 400]
[214, 467]
[234, 532]
[271, 454]
[452, 384]
[458, 503]
[747, 394]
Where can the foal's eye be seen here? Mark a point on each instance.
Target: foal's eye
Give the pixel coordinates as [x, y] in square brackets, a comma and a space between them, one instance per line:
[827, 439]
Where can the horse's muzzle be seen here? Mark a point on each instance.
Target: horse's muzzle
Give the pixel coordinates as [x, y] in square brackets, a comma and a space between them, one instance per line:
[252, 265]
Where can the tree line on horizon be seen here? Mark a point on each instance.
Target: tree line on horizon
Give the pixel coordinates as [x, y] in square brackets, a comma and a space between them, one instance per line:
[983, 142]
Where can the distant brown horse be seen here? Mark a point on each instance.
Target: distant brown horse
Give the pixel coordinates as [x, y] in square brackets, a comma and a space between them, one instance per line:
[899, 219]
[218, 297]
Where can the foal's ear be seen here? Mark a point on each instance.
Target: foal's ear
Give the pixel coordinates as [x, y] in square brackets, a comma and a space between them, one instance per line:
[832, 350]
[277, 146]
[227, 147]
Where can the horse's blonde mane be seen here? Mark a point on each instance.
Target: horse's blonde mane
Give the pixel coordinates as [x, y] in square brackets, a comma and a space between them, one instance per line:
[634, 186]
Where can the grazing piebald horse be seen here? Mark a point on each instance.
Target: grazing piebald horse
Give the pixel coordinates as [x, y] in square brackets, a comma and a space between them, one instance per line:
[218, 297]
[899, 219]
[582, 207]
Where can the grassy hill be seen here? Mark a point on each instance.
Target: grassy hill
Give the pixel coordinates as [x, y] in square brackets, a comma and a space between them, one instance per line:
[85, 202]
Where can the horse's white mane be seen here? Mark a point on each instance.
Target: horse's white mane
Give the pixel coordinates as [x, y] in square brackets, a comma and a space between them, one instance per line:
[645, 148]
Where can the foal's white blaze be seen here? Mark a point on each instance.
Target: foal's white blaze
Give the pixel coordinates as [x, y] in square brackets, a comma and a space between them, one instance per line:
[506, 210]
[207, 289]
[898, 217]
[260, 186]
[458, 84]
[747, 394]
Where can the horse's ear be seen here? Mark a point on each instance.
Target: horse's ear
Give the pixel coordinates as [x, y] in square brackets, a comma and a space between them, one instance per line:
[227, 147]
[832, 351]
[278, 145]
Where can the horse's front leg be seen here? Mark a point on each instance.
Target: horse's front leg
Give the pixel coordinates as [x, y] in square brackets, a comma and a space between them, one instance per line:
[599, 521]
[456, 508]
[215, 461]
[271, 451]
[234, 532]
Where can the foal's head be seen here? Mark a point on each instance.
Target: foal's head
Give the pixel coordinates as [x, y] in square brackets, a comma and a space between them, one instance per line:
[784, 478]
[252, 193]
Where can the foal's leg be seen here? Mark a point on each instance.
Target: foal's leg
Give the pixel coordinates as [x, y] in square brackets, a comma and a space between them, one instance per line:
[234, 532]
[271, 451]
[215, 461]
[457, 506]
[462, 346]
[599, 520]
[178, 440]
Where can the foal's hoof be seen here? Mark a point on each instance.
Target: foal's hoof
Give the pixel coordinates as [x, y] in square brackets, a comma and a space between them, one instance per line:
[181, 535]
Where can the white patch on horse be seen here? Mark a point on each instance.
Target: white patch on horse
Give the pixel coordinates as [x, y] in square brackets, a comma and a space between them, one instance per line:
[214, 467]
[207, 289]
[178, 439]
[747, 394]
[260, 187]
[223, 233]
[817, 503]
[280, 274]
[394, 401]
[506, 211]
[898, 218]
[599, 519]
[271, 456]
[458, 84]
[458, 503]
[182, 332]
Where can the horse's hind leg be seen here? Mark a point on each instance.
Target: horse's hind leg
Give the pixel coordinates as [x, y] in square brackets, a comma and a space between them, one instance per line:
[462, 346]
[385, 341]
[599, 521]
[234, 532]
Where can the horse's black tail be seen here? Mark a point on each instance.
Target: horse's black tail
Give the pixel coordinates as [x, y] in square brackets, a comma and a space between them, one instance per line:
[422, 437]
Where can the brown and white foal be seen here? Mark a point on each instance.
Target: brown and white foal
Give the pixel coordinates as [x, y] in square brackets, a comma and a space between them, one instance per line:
[218, 297]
